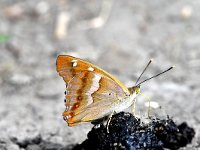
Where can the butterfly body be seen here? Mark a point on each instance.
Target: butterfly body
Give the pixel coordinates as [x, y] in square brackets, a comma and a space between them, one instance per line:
[91, 93]
[125, 103]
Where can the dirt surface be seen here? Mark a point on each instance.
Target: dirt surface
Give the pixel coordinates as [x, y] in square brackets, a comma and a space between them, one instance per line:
[118, 36]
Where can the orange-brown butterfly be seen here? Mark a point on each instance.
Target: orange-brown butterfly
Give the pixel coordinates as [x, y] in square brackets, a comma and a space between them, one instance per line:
[92, 93]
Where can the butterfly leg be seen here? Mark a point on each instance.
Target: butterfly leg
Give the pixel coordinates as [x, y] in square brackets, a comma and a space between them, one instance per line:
[133, 107]
[148, 113]
[108, 122]
[148, 99]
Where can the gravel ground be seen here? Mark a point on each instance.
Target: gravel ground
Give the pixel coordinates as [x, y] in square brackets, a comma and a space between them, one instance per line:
[116, 35]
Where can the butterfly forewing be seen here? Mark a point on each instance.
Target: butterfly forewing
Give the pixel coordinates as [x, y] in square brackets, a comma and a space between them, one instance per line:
[90, 93]
[68, 67]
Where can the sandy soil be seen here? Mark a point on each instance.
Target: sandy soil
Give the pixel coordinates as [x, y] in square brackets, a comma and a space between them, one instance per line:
[116, 35]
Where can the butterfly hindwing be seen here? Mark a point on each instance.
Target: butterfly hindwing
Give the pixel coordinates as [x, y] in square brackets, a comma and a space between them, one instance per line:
[88, 94]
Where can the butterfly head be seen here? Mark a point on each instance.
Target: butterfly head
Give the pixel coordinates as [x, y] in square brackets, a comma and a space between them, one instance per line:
[134, 89]
[137, 89]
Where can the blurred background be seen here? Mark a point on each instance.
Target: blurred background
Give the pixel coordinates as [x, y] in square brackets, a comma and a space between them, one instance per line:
[119, 36]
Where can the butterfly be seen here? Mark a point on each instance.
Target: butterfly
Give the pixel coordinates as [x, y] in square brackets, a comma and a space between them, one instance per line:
[92, 93]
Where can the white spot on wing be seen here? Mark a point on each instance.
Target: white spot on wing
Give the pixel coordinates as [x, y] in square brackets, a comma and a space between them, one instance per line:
[91, 69]
[74, 63]
[93, 88]
[97, 77]
[69, 107]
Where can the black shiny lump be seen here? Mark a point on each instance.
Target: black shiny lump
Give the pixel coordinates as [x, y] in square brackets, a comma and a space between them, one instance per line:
[128, 133]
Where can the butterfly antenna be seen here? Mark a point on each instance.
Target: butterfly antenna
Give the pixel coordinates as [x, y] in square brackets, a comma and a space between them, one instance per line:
[143, 71]
[155, 75]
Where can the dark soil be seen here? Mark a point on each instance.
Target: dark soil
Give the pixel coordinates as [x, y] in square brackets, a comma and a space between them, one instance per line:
[128, 133]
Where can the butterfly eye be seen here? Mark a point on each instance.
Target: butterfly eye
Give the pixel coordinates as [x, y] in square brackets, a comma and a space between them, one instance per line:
[137, 90]
[65, 100]
[110, 93]
[65, 92]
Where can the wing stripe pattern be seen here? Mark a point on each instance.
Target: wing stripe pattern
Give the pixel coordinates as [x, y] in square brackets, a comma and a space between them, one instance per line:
[90, 91]
[85, 93]
[79, 91]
